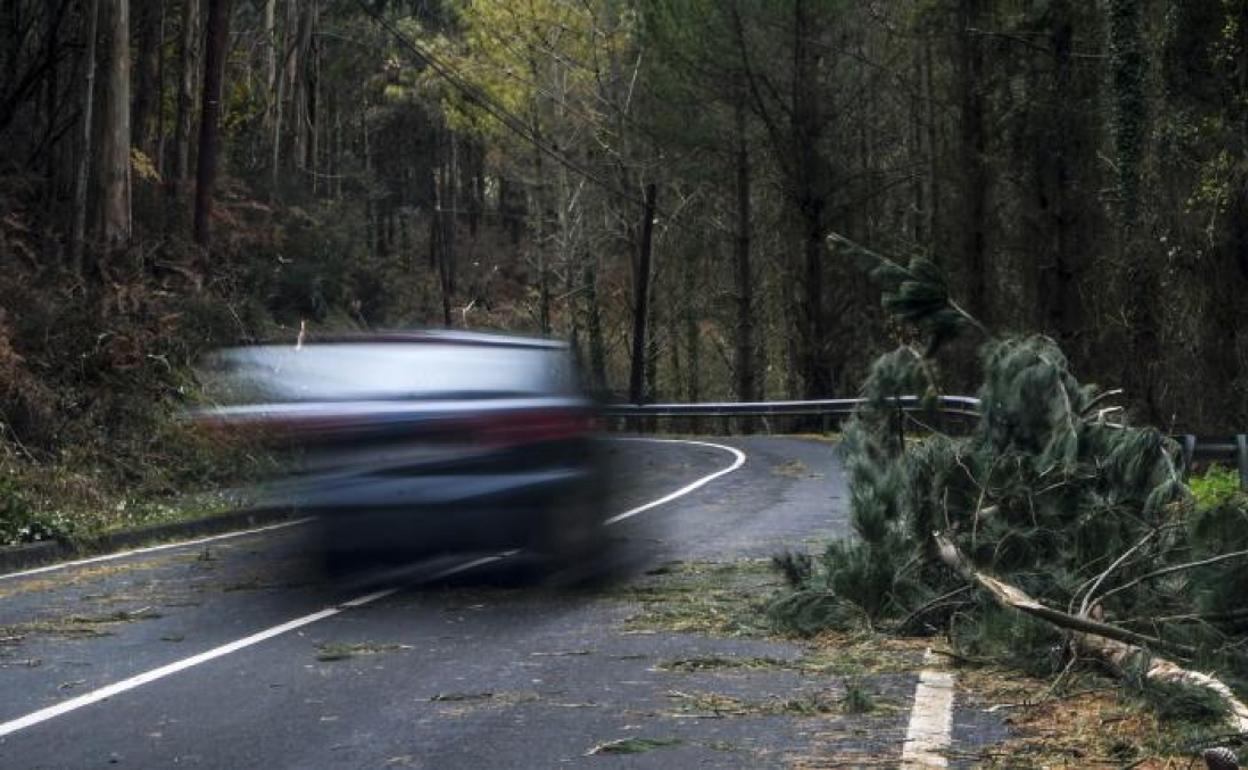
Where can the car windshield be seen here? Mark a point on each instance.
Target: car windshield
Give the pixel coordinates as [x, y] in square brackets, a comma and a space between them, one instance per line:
[351, 371]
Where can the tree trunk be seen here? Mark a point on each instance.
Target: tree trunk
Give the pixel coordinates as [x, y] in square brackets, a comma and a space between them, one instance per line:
[641, 299]
[916, 148]
[971, 158]
[312, 161]
[147, 72]
[114, 202]
[934, 192]
[52, 30]
[597, 345]
[162, 67]
[689, 320]
[1059, 274]
[81, 179]
[539, 225]
[437, 248]
[811, 174]
[300, 95]
[189, 66]
[270, 59]
[216, 34]
[284, 84]
[744, 270]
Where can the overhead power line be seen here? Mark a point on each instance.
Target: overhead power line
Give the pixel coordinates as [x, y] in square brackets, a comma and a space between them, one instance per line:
[491, 106]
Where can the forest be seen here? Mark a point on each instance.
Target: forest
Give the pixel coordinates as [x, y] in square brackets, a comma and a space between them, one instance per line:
[668, 184]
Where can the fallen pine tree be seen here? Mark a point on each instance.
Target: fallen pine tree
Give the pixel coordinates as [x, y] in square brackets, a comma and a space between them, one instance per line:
[1052, 499]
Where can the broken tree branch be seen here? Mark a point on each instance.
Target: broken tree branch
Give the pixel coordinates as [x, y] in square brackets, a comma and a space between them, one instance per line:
[1176, 568]
[1115, 646]
[1087, 598]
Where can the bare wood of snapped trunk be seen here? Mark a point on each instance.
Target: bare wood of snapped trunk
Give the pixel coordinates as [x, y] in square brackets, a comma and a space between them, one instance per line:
[114, 168]
[641, 299]
[216, 33]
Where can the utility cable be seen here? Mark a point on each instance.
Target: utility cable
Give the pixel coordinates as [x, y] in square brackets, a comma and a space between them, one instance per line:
[491, 107]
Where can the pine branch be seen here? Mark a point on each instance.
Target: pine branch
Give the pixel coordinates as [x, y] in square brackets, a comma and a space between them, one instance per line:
[917, 294]
[1176, 568]
[1116, 646]
[1087, 598]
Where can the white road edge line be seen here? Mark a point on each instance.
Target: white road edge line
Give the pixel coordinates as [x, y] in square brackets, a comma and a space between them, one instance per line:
[931, 719]
[108, 691]
[155, 548]
[685, 489]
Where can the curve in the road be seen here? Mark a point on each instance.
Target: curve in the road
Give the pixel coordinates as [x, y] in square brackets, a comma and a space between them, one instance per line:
[707, 479]
[103, 693]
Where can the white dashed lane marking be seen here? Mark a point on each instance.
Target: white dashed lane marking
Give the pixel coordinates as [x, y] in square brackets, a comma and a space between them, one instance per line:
[931, 719]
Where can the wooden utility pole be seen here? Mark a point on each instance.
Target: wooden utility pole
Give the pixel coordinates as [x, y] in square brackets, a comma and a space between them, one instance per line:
[216, 33]
[641, 299]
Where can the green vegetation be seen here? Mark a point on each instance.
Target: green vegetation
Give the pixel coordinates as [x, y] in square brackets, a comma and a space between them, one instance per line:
[21, 522]
[1216, 487]
[1052, 494]
[857, 699]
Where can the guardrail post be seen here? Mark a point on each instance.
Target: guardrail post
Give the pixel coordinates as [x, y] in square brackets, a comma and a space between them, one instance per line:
[1241, 454]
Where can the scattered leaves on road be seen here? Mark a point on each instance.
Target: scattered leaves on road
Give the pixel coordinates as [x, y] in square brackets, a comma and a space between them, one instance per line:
[724, 598]
[331, 651]
[633, 746]
[460, 696]
[795, 469]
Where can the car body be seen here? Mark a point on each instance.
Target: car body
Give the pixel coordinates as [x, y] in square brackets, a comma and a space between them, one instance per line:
[423, 442]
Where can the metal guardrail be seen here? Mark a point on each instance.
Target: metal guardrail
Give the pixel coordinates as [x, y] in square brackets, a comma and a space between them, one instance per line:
[1232, 449]
[961, 405]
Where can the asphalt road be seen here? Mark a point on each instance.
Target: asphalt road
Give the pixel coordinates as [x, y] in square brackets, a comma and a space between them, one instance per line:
[450, 663]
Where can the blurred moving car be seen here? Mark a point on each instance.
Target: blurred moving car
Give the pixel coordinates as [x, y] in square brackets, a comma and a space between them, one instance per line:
[423, 442]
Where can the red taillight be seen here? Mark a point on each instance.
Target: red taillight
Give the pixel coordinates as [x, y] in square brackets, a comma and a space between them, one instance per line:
[531, 427]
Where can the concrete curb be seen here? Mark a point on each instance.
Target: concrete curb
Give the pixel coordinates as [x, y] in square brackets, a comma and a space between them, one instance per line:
[19, 557]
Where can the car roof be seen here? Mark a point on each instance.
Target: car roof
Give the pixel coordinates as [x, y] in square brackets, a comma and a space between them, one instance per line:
[443, 336]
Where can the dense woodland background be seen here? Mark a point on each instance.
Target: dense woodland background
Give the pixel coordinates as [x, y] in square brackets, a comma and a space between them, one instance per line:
[179, 174]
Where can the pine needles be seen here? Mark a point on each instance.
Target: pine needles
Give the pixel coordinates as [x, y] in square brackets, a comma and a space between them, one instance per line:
[1051, 492]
